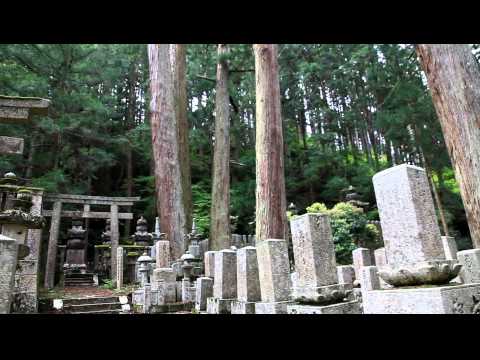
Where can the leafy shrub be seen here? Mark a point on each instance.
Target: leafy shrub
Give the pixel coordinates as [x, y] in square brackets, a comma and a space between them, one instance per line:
[350, 229]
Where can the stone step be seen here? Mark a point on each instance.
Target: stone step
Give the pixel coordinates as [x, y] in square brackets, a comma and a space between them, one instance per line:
[87, 308]
[78, 281]
[90, 300]
[80, 276]
[100, 312]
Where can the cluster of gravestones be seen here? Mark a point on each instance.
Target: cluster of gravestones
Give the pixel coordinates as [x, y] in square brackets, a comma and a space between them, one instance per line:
[418, 270]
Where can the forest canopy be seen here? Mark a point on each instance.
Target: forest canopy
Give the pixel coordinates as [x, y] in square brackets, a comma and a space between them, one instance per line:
[348, 112]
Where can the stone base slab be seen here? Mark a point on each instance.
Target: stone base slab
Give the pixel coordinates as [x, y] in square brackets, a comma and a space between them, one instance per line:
[350, 307]
[243, 307]
[326, 293]
[219, 306]
[450, 299]
[272, 307]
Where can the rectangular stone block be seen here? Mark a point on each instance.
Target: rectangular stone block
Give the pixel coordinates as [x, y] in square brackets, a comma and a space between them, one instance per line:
[219, 306]
[380, 257]
[450, 299]
[450, 247]
[204, 289]
[194, 250]
[8, 265]
[313, 250]
[225, 284]
[350, 307]
[243, 307]
[369, 278]
[11, 145]
[361, 257]
[407, 214]
[209, 260]
[248, 282]
[188, 291]
[470, 260]
[165, 293]
[274, 270]
[272, 307]
[346, 274]
[162, 253]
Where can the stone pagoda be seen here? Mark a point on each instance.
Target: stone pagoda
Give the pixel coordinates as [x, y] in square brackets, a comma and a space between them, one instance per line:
[142, 237]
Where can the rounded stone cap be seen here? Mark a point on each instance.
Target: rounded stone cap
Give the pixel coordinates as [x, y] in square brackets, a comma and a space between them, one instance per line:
[144, 258]
[10, 175]
[187, 256]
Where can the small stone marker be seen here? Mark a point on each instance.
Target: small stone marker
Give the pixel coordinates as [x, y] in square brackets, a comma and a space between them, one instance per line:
[120, 267]
[369, 278]
[450, 247]
[470, 260]
[162, 253]
[380, 257]
[346, 274]
[209, 260]
[361, 257]
[225, 285]
[204, 289]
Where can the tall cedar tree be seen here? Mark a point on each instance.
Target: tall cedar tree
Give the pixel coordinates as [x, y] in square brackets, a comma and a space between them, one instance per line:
[220, 213]
[168, 184]
[271, 220]
[453, 76]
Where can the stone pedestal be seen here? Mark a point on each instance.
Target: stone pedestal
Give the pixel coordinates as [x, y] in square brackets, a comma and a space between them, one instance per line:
[274, 275]
[204, 290]
[225, 284]
[470, 261]
[449, 299]
[350, 307]
[219, 306]
[8, 266]
[248, 282]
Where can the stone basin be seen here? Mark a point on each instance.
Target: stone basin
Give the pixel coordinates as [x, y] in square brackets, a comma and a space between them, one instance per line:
[438, 272]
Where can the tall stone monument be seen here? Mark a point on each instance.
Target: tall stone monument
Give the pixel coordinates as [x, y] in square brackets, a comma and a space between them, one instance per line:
[414, 250]
[225, 284]
[317, 289]
[248, 282]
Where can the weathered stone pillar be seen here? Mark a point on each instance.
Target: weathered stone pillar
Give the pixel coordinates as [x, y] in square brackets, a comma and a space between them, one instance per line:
[314, 250]
[450, 247]
[274, 275]
[248, 282]
[8, 265]
[225, 284]
[162, 253]
[203, 292]
[114, 240]
[120, 258]
[26, 277]
[407, 214]
[346, 274]
[209, 261]
[52, 245]
[361, 257]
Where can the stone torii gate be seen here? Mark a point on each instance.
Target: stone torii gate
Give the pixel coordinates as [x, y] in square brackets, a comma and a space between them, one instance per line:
[56, 214]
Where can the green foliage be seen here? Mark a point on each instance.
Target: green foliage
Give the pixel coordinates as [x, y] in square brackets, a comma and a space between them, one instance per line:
[349, 229]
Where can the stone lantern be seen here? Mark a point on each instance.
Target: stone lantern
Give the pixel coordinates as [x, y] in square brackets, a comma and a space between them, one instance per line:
[76, 248]
[187, 266]
[144, 268]
[106, 235]
[16, 221]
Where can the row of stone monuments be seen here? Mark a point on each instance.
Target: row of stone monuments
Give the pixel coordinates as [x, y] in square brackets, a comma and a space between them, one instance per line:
[418, 270]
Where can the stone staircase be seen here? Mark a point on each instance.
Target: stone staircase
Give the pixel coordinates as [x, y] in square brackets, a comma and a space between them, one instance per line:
[96, 305]
[78, 279]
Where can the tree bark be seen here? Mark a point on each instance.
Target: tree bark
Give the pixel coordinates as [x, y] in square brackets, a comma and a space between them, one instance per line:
[271, 220]
[220, 212]
[168, 184]
[180, 88]
[453, 76]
